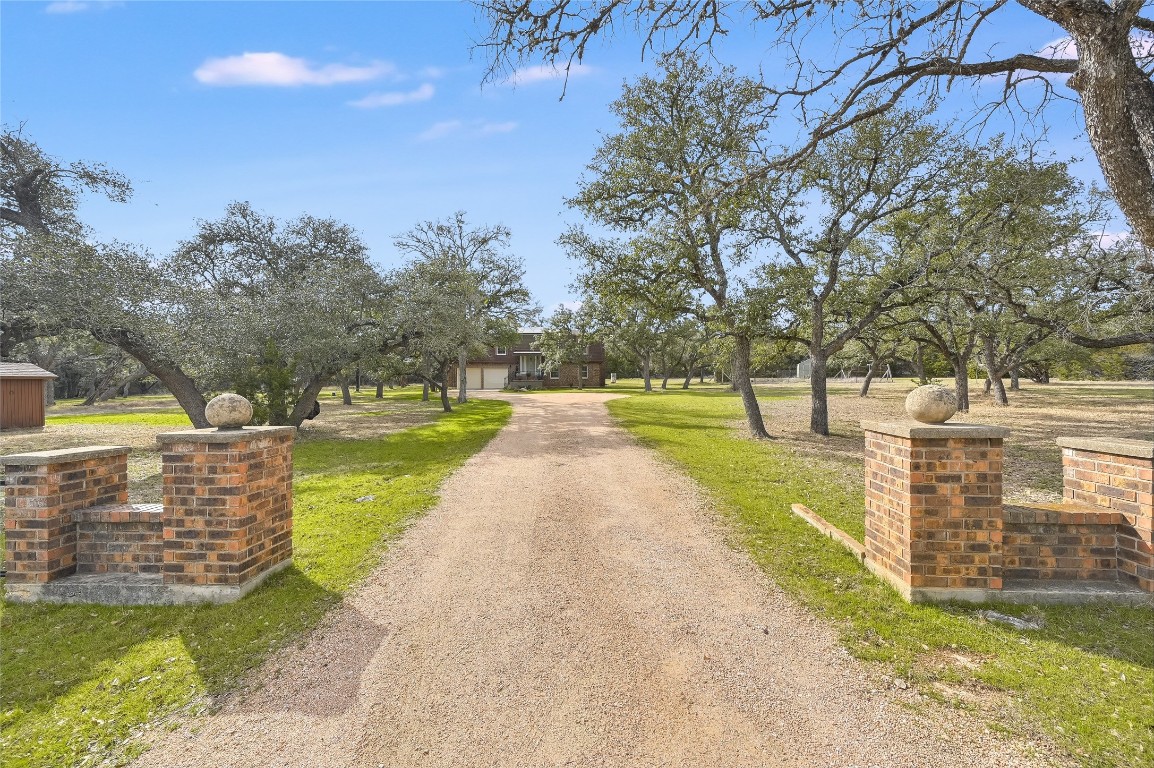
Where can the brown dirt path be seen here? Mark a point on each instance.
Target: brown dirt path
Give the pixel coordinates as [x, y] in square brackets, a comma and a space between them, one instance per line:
[571, 601]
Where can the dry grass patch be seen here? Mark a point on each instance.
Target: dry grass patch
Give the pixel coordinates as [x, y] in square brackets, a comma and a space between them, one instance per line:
[1037, 416]
[136, 421]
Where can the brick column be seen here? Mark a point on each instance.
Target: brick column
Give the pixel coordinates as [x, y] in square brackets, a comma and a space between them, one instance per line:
[227, 520]
[42, 491]
[934, 508]
[1117, 475]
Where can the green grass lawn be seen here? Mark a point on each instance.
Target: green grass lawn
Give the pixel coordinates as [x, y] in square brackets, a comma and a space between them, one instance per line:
[1086, 680]
[79, 683]
[169, 417]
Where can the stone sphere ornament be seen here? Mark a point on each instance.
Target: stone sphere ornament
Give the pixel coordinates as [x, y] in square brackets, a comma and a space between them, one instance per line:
[931, 404]
[228, 411]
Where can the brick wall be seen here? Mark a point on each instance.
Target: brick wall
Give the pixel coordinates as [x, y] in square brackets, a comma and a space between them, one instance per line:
[226, 520]
[934, 507]
[1054, 541]
[1117, 475]
[227, 504]
[936, 527]
[569, 373]
[43, 491]
[121, 538]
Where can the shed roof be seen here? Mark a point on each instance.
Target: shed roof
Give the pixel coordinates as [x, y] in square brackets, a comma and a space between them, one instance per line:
[24, 371]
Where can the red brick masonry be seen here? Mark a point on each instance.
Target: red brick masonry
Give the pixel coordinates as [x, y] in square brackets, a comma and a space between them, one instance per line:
[227, 504]
[1117, 475]
[43, 491]
[936, 528]
[226, 520]
[934, 507]
[119, 538]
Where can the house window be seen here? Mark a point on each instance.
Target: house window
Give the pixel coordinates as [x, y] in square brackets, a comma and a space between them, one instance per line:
[502, 351]
[555, 373]
[584, 371]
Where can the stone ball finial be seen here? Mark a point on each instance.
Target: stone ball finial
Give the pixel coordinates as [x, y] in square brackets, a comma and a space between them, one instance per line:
[931, 404]
[228, 411]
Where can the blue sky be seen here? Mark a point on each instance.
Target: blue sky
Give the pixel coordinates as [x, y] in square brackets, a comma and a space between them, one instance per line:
[370, 112]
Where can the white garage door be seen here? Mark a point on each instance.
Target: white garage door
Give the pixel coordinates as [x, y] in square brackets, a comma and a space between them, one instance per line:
[486, 377]
[495, 377]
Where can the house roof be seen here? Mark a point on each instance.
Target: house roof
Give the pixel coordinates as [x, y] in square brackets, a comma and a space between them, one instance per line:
[530, 330]
[24, 371]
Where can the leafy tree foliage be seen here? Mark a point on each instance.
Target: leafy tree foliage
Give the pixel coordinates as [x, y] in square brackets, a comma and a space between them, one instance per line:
[479, 281]
[681, 174]
[838, 226]
[282, 307]
[566, 338]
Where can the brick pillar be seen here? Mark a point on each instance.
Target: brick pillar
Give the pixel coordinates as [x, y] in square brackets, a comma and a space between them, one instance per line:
[42, 491]
[934, 508]
[1117, 475]
[227, 520]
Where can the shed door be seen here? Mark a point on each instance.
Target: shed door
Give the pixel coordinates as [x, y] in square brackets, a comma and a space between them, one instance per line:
[21, 403]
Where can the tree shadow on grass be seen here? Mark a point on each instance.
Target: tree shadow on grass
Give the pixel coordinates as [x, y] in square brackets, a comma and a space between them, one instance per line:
[49, 649]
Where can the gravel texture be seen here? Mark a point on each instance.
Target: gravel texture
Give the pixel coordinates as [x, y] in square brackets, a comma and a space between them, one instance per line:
[572, 601]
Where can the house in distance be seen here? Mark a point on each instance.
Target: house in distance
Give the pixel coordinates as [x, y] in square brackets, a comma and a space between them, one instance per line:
[522, 366]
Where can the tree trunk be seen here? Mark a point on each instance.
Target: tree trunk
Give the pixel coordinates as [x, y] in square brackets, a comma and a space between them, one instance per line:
[665, 380]
[994, 373]
[962, 381]
[865, 385]
[646, 373]
[462, 382]
[743, 384]
[346, 395]
[180, 384]
[111, 390]
[987, 385]
[98, 389]
[425, 391]
[358, 379]
[688, 378]
[445, 404]
[49, 393]
[920, 364]
[819, 399]
[1117, 101]
[1015, 383]
[305, 403]
[380, 390]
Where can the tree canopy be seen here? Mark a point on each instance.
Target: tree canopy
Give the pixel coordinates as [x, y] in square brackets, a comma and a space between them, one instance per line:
[891, 50]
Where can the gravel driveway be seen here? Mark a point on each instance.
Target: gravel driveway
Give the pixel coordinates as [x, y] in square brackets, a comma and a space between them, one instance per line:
[572, 601]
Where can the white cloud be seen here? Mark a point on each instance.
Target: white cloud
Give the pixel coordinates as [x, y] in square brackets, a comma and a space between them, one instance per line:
[277, 69]
[395, 98]
[1062, 48]
[67, 6]
[498, 127]
[1141, 43]
[441, 130]
[1110, 239]
[543, 73]
[75, 6]
[460, 127]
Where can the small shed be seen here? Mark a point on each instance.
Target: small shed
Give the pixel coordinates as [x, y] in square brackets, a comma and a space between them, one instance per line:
[22, 395]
